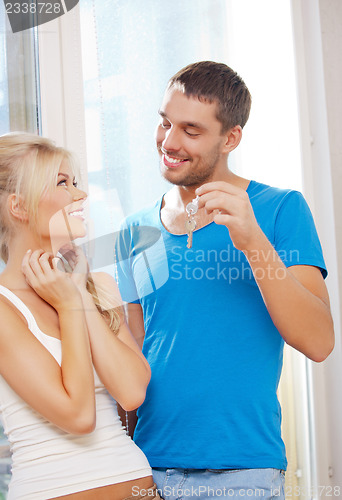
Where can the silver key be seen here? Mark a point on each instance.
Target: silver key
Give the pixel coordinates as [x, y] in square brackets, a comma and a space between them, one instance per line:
[190, 226]
[192, 207]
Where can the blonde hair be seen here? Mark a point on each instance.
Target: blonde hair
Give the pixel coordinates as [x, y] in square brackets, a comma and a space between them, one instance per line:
[29, 165]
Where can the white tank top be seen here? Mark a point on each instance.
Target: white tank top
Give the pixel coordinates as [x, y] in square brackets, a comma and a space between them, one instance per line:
[48, 462]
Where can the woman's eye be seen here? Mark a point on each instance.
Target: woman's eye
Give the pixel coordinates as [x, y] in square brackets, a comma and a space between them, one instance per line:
[64, 182]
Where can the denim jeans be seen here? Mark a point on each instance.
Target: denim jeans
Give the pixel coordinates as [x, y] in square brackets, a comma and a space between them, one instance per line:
[186, 484]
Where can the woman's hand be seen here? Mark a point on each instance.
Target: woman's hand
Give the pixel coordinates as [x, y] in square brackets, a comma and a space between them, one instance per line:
[78, 264]
[45, 274]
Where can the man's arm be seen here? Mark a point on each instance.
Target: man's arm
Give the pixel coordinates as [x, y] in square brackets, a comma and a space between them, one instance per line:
[297, 301]
[296, 297]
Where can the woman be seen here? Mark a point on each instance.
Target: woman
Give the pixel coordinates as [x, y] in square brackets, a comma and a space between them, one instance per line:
[64, 344]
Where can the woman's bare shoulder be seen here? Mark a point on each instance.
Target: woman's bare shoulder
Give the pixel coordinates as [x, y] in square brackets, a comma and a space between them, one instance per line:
[16, 339]
[9, 314]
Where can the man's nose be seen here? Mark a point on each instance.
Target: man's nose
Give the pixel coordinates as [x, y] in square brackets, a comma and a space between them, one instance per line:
[171, 141]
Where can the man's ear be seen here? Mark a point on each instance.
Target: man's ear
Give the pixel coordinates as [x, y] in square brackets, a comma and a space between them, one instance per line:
[233, 137]
[16, 207]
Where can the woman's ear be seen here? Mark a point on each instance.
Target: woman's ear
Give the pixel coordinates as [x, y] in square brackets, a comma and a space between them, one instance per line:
[233, 138]
[16, 207]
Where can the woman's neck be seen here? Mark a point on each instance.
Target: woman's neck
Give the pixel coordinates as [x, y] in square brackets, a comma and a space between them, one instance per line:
[12, 276]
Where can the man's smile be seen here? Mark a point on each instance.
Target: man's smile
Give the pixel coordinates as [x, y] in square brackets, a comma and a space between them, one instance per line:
[172, 162]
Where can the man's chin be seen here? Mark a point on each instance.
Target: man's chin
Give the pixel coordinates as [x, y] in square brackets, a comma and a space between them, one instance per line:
[183, 182]
[172, 178]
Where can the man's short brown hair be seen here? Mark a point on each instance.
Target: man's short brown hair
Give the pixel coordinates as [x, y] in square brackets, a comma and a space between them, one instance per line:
[216, 82]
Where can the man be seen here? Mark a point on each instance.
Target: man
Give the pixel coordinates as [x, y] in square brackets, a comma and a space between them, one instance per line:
[215, 326]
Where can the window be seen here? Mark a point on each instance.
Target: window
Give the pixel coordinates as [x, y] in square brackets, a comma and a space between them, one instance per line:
[19, 110]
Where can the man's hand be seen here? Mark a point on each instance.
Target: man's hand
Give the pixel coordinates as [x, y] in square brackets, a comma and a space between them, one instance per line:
[235, 212]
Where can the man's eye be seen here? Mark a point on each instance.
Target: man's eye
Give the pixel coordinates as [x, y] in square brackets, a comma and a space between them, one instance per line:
[190, 134]
[165, 125]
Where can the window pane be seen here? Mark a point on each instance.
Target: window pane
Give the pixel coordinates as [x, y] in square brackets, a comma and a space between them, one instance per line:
[130, 49]
[18, 85]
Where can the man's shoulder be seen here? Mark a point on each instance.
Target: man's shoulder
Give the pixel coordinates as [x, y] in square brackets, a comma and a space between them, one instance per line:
[258, 188]
[265, 195]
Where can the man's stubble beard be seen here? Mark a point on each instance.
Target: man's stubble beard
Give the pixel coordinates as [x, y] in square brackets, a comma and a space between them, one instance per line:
[204, 171]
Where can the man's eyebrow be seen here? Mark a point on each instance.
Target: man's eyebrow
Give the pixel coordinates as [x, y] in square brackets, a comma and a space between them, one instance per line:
[194, 125]
[185, 124]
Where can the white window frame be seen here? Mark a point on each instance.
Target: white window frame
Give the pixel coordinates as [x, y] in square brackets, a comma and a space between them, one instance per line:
[61, 85]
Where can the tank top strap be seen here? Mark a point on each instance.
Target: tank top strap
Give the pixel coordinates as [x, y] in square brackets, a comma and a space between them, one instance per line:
[19, 304]
[52, 344]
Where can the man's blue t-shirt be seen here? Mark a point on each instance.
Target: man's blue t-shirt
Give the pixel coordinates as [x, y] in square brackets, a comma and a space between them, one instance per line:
[214, 352]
